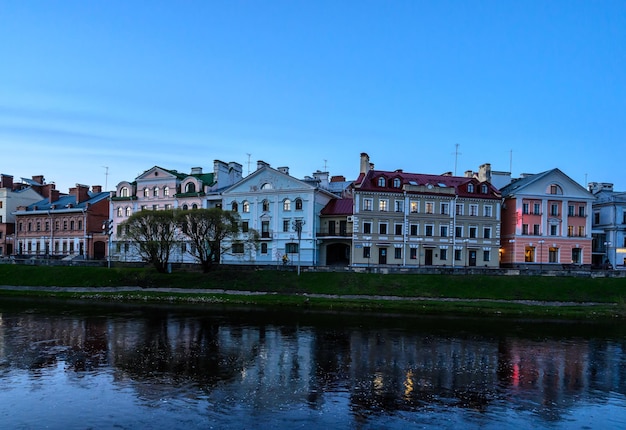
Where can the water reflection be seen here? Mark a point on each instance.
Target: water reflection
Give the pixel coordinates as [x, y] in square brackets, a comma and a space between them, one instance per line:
[162, 366]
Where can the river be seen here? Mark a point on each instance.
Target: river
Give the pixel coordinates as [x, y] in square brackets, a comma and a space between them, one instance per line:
[92, 365]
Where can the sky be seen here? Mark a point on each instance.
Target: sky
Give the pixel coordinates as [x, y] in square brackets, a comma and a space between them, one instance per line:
[97, 92]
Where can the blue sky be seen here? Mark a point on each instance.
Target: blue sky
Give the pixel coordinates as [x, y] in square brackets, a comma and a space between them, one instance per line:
[131, 84]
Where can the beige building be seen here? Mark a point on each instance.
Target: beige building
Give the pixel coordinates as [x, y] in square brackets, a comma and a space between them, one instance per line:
[413, 220]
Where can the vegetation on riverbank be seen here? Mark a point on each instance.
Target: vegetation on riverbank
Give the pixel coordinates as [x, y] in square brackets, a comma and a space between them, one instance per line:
[475, 294]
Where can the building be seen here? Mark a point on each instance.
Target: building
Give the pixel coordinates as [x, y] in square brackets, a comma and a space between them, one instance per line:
[63, 225]
[13, 195]
[335, 233]
[413, 220]
[609, 226]
[274, 203]
[161, 189]
[545, 221]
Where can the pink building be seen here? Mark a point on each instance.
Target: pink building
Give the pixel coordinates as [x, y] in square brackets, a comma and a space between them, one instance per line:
[546, 222]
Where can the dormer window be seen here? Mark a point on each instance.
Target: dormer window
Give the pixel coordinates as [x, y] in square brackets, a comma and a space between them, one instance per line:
[470, 188]
[555, 189]
[124, 192]
[484, 188]
[396, 182]
[381, 182]
[190, 188]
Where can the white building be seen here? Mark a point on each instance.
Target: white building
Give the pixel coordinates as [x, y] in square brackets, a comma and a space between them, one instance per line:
[609, 225]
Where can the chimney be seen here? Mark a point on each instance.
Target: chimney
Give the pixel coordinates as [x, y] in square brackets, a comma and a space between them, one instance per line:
[196, 170]
[284, 170]
[80, 192]
[96, 188]
[46, 190]
[6, 181]
[322, 177]
[366, 166]
[469, 174]
[38, 179]
[484, 172]
[338, 178]
[53, 195]
[260, 164]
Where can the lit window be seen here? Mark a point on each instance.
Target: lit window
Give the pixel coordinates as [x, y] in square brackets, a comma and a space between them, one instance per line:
[146, 192]
[124, 192]
[414, 206]
[128, 211]
[430, 207]
[166, 191]
[120, 212]
[246, 206]
[383, 205]
[367, 204]
[286, 205]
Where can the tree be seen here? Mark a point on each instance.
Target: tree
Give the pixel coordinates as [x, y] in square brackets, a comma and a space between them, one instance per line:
[208, 231]
[154, 234]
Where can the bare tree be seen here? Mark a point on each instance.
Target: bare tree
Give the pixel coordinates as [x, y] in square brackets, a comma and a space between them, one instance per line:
[208, 229]
[154, 234]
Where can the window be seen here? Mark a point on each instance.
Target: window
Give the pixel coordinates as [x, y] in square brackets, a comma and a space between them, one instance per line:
[524, 228]
[264, 248]
[473, 232]
[429, 230]
[238, 248]
[470, 188]
[443, 230]
[155, 192]
[382, 228]
[576, 254]
[367, 228]
[488, 211]
[623, 219]
[234, 207]
[554, 230]
[554, 209]
[146, 192]
[570, 230]
[120, 212]
[80, 225]
[286, 205]
[570, 210]
[366, 252]
[397, 183]
[64, 225]
[487, 232]
[555, 189]
[399, 205]
[445, 209]
[266, 206]
[430, 207]
[486, 255]
[285, 225]
[190, 187]
[266, 186]
[381, 182]
[443, 254]
[596, 217]
[168, 206]
[291, 248]
[39, 225]
[525, 208]
[581, 211]
[529, 254]
[265, 229]
[398, 229]
[245, 206]
[581, 230]
[458, 231]
[298, 204]
[414, 229]
[397, 253]
[484, 188]
[124, 192]
[383, 205]
[413, 254]
[48, 224]
[155, 207]
[537, 209]
[414, 206]
[536, 229]
[458, 255]
[166, 191]
[473, 210]
[553, 255]
[367, 204]
[245, 226]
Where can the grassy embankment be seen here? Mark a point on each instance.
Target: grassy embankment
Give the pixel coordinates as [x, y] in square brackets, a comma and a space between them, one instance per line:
[609, 294]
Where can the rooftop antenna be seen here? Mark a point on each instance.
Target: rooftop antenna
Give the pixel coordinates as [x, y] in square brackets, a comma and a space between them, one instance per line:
[456, 156]
[106, 178]
[248, 162]
[325, 166]
[511, 162]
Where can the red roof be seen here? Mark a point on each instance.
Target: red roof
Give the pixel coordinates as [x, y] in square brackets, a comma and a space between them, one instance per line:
[338, 207]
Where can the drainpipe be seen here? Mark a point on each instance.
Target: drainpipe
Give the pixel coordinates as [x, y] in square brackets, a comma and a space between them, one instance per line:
[454, 230]
[404, 228]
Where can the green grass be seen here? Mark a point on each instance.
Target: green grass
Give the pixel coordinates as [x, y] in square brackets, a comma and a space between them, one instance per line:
[609, 291]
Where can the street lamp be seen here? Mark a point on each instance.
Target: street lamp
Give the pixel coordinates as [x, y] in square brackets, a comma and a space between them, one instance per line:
[466, 241]
[107, 228]
[541, 242]
[607, 248]
[513, 254]
[297, 226]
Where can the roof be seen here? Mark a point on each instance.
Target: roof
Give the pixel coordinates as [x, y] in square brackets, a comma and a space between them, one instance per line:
[66, 201]
[419, 183]
[521, 183]
[338, 207]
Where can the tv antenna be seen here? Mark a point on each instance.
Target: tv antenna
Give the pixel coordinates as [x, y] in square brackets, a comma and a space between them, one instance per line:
[456, 156]
[248, 154]
[106, 178]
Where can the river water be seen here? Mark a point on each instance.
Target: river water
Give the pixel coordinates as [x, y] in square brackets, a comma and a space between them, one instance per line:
[80, 365]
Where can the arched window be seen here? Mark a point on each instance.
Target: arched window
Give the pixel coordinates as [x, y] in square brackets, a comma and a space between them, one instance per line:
[166, 190]
[381, 182]
[124, 192]
[298, 204]
[128, 211]
[555, 189]
[396, 182]
[266, 186]
[234, 207]
[155, 192]
[190, 187]
[246, 206]
[266, 206]
[194, 206]
[185, 207]
[146, 192]
[286, 205]
[120, 212]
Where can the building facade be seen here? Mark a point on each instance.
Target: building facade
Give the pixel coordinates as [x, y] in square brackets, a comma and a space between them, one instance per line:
[414, 220]
[273, 203]
[546, 222]
[163, 189]
[13, 195]
[609, 226]
[63, 226]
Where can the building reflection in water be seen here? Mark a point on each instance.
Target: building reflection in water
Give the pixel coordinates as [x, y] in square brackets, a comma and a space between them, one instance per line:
[267, 362]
